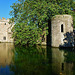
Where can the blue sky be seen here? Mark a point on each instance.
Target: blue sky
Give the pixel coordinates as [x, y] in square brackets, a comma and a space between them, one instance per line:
[5, 8]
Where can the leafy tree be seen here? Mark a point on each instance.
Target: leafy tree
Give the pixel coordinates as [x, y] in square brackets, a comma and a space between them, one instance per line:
[25, 35]
[32, 18]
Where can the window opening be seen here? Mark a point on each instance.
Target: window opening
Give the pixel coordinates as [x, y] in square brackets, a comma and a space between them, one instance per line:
[5, 23]
[61, 27]
[4, 38]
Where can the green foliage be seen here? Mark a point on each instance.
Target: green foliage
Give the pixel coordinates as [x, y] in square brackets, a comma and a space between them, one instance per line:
[73, 14]
[30, 61]
[31, 18]
[25, 35]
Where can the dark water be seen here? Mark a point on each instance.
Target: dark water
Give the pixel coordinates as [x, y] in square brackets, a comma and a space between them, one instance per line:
[41, 60]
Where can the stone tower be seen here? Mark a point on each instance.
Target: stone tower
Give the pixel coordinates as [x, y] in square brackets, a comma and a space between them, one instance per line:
[5, 30]
[62, 31]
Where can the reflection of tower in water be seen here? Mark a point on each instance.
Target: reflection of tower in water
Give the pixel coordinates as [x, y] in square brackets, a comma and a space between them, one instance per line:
[6, 53]
[59, 64]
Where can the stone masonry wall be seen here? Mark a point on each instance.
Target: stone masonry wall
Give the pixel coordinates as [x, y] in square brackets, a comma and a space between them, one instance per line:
[62, 35]
[5, 31]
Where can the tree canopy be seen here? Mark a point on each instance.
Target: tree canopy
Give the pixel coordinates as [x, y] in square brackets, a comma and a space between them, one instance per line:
[31, 18]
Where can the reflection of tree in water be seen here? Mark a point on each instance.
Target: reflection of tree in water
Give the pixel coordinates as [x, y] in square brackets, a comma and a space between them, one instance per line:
[69, 54]
[30, 61]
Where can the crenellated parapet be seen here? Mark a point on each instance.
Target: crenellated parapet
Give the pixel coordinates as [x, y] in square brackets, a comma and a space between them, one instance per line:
[4, 19]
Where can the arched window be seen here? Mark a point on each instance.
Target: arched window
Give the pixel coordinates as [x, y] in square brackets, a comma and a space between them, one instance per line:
[61, 27]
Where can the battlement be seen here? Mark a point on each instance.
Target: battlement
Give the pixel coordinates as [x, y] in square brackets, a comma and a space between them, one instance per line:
[4, 19]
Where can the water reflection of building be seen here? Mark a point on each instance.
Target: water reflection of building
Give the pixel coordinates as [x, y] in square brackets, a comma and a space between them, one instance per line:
[59, 65]
[6, 53]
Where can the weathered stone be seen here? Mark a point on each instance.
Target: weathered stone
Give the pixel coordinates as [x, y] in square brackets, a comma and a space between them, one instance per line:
[5, 31]
[62, 31]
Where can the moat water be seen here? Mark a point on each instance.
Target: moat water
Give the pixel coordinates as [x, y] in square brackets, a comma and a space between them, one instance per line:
[40, 60]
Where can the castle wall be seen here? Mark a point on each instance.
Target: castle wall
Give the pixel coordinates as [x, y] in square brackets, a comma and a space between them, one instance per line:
[5, 31]
[62, 30]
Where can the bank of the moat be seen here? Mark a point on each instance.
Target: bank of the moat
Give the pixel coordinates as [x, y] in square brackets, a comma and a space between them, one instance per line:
[41, 60]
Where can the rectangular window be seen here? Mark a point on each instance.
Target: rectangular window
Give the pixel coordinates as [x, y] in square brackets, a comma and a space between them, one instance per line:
[61, 27]
[5, 23]
[4, 38]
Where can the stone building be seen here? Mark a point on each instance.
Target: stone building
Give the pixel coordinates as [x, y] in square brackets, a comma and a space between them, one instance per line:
[5, 31]
[62, 31]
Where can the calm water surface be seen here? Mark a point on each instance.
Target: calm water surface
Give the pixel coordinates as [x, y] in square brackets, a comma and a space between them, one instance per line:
[41, 60]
